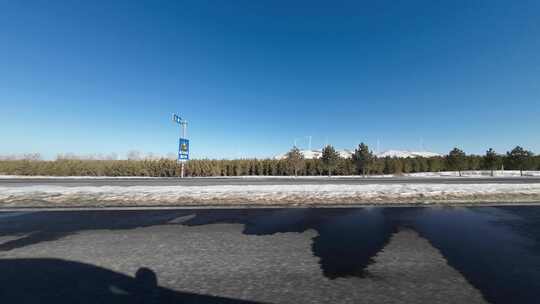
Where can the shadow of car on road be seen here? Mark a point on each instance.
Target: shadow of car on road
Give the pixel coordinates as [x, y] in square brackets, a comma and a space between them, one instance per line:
[60, 281]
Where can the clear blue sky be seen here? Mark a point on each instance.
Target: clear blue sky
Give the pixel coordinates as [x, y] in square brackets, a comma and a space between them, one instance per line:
[250, 76]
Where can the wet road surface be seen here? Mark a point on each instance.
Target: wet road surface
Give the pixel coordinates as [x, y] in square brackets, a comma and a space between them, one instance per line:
[343, 255]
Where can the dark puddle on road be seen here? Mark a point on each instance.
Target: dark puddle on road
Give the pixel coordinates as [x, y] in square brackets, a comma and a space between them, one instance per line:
[341, 250]
[496, 249]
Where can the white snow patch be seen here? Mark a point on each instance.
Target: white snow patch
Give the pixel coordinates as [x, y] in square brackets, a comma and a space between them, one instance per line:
[478, 173]
[139, 195]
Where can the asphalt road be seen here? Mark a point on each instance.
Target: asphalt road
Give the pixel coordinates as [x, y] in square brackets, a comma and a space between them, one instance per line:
[75, 182]
[346, 255]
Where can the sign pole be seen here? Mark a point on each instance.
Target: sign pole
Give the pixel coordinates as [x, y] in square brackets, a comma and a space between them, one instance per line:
[184, 127]
[183, 149]
[182, 171]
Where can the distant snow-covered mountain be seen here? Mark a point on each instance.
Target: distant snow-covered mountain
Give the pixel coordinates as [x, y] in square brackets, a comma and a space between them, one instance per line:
[405, 154]
[314, 154]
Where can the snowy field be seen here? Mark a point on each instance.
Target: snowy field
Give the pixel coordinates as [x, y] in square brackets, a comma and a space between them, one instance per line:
[479, 173]
[323, 194]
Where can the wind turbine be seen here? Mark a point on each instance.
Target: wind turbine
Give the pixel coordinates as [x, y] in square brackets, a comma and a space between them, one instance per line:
[309, 142]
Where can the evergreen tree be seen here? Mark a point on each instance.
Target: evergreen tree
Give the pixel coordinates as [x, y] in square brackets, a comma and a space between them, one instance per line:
[397, 166]
[435, 164]
[329, 159]
[491, 160]
[378, 166]
[415, 165]
[422, 164]
[475, 162]
[406, 163]
[363, 159]
[519, 158]
[295, 160]
[387, 165]
[456, 160]
[310, 167]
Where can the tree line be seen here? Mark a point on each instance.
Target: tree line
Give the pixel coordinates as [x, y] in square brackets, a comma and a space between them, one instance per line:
[363, 162]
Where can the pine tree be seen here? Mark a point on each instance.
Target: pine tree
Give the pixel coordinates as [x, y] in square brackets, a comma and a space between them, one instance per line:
[378, 166]
[519, 158]
[435, 164]
[491, 160]
[397, 166]
[329, 159]
[406, 163]
[456, 160]
[295, 160]
[363, 159]
[423, 164]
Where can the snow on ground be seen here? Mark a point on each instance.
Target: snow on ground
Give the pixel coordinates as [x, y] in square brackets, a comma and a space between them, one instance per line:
[91, 196]
[478, 173]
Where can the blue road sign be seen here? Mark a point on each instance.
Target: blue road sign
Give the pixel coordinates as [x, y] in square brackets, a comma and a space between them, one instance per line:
[183, 149]
[177, 118]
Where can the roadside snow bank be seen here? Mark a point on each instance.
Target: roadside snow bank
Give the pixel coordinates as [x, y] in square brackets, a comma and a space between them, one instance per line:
[478, 173]
[49, 196]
